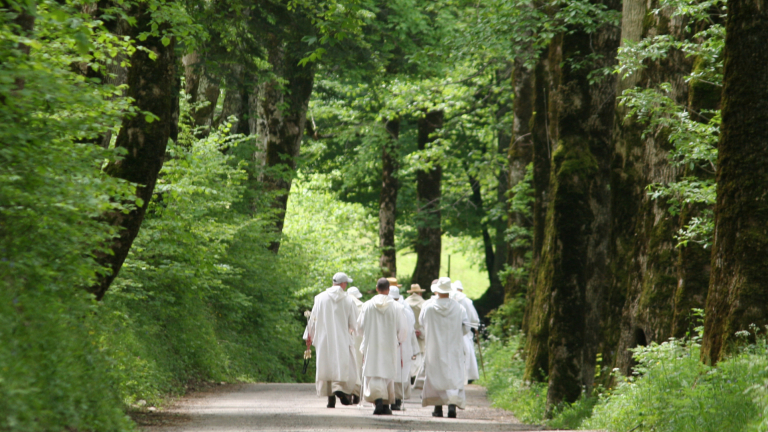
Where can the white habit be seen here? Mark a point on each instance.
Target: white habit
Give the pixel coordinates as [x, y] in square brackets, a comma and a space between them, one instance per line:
[445, 323]
[358, 337]
[416, 301]
[332, 325]
[469, 343]
[408, 348]
[383, 325]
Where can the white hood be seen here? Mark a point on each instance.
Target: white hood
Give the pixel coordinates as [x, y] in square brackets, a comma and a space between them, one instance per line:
[458, 296]
[382, 302]
[336, 293]
[444, 306]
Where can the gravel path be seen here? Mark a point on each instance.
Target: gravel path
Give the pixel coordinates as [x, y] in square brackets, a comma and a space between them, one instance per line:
[294, 407]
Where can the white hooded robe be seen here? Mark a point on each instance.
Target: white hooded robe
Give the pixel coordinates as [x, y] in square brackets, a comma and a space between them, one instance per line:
[332, 325]
[384, 326]
[445, 323]
[416, 301]
[469, 342]
[358, 337]
[408, 348]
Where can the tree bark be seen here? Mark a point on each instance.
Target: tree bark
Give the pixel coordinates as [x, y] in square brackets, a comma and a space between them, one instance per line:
[279, 124]
[572, 272]
[201, 88]
[153, 86]
[428, 239]
[738, 296]
[536, 319]
[388, 199]
[520, 154]
[644, 264]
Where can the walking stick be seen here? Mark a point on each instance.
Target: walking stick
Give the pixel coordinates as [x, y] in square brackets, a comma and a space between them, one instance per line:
[480, 351]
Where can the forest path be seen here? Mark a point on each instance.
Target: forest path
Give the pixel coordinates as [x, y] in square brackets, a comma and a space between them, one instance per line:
[295, 407]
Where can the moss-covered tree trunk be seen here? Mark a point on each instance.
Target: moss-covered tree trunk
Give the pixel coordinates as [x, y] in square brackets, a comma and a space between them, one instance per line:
[154, 87]
[572, 276]
[428, 193]
[281, 114]
[536, 319]
[738, 293]
[388, 199]
[519, 155]
[644, 259]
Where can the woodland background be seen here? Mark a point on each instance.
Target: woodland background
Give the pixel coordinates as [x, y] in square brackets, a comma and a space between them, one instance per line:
[178, 179]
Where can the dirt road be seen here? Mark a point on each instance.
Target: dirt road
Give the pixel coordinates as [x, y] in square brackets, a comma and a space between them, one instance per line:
[294, 407]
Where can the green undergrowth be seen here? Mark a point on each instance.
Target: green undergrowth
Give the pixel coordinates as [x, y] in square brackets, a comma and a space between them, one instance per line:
[671, 390]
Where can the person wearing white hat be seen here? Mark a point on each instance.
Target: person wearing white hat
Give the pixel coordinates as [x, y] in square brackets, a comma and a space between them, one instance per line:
[416, 301]
[355, 293]
[445, 323]
[474, 320]
[384, 326]
[407, 351]
[331, 327]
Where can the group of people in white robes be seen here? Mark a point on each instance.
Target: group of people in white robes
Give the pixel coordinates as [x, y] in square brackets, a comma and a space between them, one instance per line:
[380, 350]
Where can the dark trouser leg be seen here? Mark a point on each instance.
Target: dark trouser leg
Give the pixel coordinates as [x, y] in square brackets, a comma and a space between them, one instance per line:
[451, 411]
[331, 401]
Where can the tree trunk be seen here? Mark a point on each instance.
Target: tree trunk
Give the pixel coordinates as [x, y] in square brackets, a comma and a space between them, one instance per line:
[572, 271]
[644, 264]
[25, 22]
[520, 154]
[388, 199]
[279, 124]
[236, 103]
[738, 296]
[693, 261]
[153, 86]
[428, 239]
[536, 320]
[201, 88]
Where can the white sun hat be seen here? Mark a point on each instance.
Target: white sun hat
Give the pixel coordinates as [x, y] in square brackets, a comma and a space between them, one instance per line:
[340, 278]
[354, 292]
[394, 292]
[457, 286]
[443, 286]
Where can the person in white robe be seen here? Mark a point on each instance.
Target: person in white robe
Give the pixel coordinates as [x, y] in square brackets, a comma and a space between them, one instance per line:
[416, 301]
[355, 293]
[331, 327]
[474, 321]
[418, 382]
[445, 323]
[407, 351]
[384, 326]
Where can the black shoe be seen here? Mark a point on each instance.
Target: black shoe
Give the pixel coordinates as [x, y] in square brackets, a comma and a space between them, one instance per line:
[451, 411]
[331, 402]
[438, 412]
[413, 380]
[344, 398]
[387, 411]
[355, 399]
[396, 406]
[379, 407]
